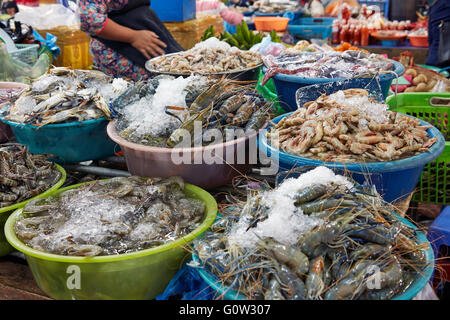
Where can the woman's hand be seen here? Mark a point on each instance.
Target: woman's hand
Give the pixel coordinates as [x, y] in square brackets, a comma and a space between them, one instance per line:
[147, 43]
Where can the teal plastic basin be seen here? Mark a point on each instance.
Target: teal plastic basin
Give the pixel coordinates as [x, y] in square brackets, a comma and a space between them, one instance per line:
[69, 142]
[416, 286]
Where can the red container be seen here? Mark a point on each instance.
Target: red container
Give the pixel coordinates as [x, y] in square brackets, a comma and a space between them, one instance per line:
[418, 41]
[270, 23]
[146, 161]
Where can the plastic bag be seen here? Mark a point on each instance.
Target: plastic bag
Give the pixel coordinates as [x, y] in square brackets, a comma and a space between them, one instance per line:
[332, 8]
[49, 42]
[316, 8]
[47, 16]
[267, 47]
[440, 86]
[187, 285]
[312, 92]
[12, 70]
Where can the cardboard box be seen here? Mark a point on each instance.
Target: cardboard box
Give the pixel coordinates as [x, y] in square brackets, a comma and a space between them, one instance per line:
[189, 33]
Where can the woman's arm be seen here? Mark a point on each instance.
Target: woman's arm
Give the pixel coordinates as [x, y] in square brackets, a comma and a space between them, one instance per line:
[94, 20]
[145, 41]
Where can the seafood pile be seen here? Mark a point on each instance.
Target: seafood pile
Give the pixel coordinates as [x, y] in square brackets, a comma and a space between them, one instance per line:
[23, 175]
[327, 64]
[265, 6]
[7, 94]
[64, 95]
[161, 111]
[207, 57]
[318, 236]
[350, 126]
[115, 216]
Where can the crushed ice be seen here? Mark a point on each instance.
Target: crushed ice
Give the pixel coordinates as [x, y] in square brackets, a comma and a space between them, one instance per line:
[285, 222]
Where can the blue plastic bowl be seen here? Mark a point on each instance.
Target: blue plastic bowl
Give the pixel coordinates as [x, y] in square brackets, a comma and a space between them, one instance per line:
[394, 180]
[390, 43]
[287, 85]
[68, 142]
[292, 15]
[416, 286]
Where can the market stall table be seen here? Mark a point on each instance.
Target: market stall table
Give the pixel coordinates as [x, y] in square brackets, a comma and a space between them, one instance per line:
[420, 53]
[16, 281]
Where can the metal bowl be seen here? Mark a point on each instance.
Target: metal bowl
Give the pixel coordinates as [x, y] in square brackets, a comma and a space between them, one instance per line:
[249, 74]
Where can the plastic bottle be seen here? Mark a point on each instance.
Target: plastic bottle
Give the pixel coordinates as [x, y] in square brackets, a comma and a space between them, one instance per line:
[365, 35]
[344, 34]
[408, 24]
[364, 10]
[394, 25]
[335, 32]
[351, 30]
[357, 36]
[345, 13]
[371, 28]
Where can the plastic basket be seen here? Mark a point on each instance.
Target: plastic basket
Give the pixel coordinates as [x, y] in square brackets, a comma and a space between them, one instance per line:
[308, 32]
[311, 28]
[418, 105]
[323, 21]
[27, 53]
[434, 183]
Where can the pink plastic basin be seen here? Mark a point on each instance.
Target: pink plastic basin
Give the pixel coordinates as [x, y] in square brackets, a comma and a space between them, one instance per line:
[149, 161]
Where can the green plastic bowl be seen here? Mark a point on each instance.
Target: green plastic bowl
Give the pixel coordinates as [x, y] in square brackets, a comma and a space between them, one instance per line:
[131, 276]
[416, 286]
[5, 247]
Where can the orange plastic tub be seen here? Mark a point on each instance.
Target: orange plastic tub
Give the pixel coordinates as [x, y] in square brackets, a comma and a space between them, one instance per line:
[270, 23]
[418, 41]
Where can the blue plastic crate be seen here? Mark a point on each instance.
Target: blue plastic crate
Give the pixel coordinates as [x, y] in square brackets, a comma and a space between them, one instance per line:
[174, 10]
[322, 21]
[308, 32]
[292, 15]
